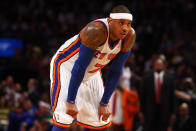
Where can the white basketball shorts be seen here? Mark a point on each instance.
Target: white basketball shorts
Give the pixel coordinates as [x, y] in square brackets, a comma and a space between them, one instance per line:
[87, 100]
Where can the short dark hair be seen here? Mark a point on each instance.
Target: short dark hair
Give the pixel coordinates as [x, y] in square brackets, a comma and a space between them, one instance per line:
[120, 9]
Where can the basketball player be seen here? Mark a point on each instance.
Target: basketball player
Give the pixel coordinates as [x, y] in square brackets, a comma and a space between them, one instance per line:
[77, 90]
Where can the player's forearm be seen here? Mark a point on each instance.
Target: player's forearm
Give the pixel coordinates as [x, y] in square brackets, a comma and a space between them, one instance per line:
[111, 83]
[114, 74]
[78, 71]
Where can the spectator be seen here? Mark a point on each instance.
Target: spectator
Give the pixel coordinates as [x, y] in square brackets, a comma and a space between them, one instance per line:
[43, 122]
[184, 121]
[157, 98]
[33, 92]
[29, 115]
[191, 99]
[188, 86]
[23, 117]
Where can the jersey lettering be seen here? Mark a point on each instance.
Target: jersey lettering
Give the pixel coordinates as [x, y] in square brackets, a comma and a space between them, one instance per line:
[96, 53]
[99, 55]
[99, 67]
[102, 55]
[111, 56]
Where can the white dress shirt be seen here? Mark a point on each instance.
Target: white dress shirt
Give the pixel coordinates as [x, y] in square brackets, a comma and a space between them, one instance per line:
[156, 77]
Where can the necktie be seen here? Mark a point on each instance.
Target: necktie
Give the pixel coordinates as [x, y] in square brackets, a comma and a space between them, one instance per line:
[158, 90]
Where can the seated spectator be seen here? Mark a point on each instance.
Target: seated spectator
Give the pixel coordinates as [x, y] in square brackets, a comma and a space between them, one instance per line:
[29, 115]
[43, 122]
[23, 118]
[191, 99]
[184, 122]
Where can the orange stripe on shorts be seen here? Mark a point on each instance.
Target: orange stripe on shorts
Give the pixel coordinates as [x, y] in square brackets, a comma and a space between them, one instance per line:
[61, 52]
[93, 127]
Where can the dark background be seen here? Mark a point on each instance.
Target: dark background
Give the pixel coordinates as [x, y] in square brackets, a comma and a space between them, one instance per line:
[162, 27]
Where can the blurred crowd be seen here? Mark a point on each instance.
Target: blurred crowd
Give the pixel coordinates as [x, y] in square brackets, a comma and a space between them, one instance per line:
[163, 28]
[23, 109]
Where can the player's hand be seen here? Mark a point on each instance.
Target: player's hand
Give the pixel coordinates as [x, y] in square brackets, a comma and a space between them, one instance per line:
[104, 111]
[72, 110]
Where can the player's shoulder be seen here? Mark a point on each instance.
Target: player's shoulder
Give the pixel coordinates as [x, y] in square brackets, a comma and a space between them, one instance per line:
[93, 34]
[95, 27]
[129, 40]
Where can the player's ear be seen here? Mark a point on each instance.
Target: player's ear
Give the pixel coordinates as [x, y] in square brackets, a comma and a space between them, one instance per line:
[109, 19]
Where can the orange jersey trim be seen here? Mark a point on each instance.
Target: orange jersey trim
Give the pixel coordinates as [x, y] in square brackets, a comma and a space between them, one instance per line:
[93, 127]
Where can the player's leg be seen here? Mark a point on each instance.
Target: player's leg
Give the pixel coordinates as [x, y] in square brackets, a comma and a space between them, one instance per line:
[56, 128]
[58, 92]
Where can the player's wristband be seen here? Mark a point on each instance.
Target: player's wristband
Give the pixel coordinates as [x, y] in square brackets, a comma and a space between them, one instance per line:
[102, 104]
[71, 102]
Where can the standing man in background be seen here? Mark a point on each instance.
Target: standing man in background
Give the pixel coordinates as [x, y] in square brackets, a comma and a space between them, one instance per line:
[157, 98]
[77, 90]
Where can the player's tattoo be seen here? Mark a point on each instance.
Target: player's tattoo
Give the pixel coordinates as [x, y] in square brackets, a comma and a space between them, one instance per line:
[129, 41]
[93, 35]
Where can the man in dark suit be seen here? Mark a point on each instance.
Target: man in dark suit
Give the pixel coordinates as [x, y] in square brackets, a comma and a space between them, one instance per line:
[157, 98]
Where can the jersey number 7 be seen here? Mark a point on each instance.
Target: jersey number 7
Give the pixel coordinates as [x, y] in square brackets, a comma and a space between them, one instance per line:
[99, 67]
